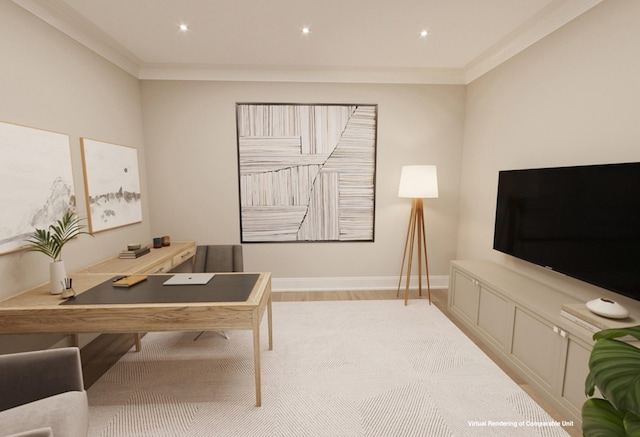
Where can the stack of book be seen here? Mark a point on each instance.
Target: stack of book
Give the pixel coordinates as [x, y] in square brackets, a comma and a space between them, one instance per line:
[130, 254]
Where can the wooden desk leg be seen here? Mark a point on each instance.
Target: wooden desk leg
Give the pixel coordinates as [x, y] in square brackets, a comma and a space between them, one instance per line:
[138, 342]
[270, 324]
[256, 355]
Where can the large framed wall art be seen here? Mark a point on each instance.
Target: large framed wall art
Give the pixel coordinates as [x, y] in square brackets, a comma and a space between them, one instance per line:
[306, 172]
[112, 184]
[36, 180]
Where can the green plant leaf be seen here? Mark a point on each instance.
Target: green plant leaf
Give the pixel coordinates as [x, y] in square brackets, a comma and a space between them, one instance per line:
[633, 331]
[601, 419]
[589, 385]
[632, 424]
[51, 241]
[615, 368]
[41, 241]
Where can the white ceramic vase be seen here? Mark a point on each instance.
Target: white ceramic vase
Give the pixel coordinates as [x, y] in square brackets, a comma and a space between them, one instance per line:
[57, 273]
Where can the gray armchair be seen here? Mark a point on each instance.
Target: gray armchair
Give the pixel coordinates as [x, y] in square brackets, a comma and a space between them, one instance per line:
[218, 258]
[43, 394]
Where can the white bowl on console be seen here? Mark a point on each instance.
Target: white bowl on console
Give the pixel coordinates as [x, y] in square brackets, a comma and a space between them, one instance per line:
[607, 308]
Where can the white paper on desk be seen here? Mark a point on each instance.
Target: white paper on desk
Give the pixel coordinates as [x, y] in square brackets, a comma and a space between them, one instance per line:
[189, 279]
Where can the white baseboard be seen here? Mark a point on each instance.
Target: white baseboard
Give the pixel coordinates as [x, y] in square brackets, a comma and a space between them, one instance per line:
[354, 283]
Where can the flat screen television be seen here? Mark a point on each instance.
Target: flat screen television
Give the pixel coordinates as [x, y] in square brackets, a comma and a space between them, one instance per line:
[581, 221]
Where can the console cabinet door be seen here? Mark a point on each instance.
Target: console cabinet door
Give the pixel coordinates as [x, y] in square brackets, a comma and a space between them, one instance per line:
[464, 297]
[536, 348]
[575, 368]
[495, 318]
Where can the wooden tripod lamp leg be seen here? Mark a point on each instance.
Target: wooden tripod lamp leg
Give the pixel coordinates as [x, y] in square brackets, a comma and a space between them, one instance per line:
[416, 226]
[408, 247]
[404, 253]
[422, 251]
[420, 226]
[410, 262]
[423, 243]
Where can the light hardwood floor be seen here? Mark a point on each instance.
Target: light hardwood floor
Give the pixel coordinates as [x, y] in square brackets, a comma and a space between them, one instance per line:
[102, 353]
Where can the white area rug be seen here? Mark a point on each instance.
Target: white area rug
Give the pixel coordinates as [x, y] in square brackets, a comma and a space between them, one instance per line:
[347, 368]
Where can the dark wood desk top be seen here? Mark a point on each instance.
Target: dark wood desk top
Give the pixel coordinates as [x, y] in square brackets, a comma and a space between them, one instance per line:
[37, 310]
[221, 288]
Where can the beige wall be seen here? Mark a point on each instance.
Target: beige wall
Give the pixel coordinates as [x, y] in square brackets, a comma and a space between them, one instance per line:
[571, 99]
[50, 82]
[190, 136]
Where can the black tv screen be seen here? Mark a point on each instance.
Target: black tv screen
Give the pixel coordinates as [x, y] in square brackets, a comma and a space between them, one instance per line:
[581, 221]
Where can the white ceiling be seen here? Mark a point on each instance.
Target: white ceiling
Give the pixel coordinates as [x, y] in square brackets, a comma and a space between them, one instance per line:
[349, 40]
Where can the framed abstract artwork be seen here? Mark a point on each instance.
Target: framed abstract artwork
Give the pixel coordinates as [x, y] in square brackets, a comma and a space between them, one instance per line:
[306, 172]
[36, 180]
[112, 185]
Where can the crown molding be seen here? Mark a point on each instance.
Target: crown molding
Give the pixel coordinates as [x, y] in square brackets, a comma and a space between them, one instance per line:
[256, 73]
[59, 15]
[547, 21]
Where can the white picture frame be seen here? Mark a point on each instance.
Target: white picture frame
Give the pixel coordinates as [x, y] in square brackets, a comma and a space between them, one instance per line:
[36, 180]
[112, 185]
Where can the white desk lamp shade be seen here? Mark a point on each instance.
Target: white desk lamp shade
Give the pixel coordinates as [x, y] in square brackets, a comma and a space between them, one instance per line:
[418, 181]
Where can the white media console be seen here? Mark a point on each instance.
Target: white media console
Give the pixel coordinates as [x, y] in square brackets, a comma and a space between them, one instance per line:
[543, 334]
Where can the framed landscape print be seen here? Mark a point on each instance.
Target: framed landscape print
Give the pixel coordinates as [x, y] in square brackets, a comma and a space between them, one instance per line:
[112, 185]
[306, 172]
[36, 180]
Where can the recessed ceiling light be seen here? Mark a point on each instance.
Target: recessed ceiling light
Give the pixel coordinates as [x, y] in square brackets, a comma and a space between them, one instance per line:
[183, 27]
[424, 33]
[305, 30]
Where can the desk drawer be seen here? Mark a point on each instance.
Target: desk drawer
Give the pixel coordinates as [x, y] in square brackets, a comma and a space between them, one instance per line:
[160, 268]
[183, 256]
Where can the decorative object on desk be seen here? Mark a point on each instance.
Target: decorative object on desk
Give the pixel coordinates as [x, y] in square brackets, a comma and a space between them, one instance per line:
[68, 290]
[307, 172]
[417, 182]
[57, 273]
[157, 242]
[613, 369]
[134, 246]
[128, 281]
[166, 240]
[51, 241]
[607, 308]
[189, 279]
[112, 184]
[134, 253]
[37, 181]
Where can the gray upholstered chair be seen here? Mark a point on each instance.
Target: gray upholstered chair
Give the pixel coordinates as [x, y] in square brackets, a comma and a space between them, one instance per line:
[218, 258]
[43, 394]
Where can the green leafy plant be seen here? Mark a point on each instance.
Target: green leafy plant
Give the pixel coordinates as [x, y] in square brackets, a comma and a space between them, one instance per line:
[614, 368]
[51, 241]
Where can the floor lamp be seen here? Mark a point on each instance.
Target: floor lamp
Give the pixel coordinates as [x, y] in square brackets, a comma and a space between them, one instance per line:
[417, 182]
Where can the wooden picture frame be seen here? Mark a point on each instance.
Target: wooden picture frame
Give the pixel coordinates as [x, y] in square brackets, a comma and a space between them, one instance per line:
[112, 185]
[306, 172]
[36, 180]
